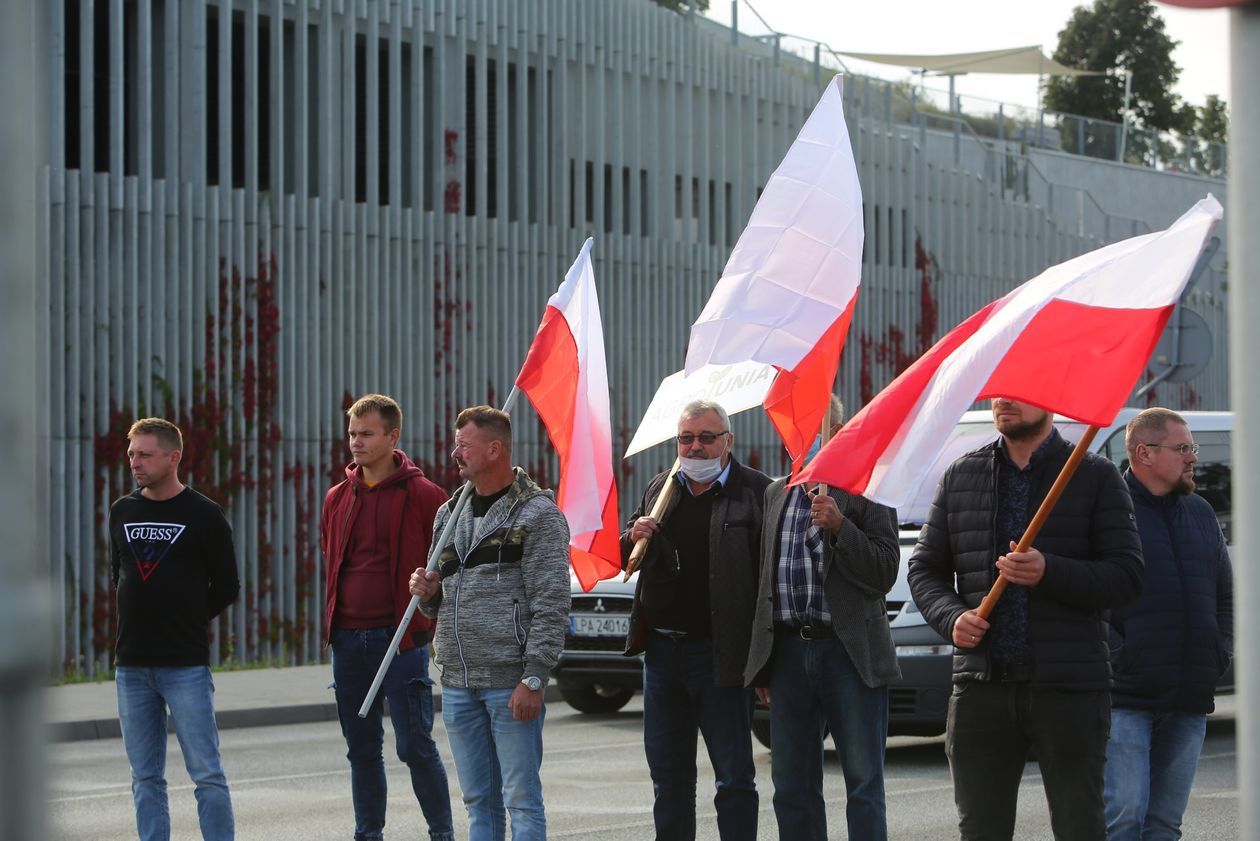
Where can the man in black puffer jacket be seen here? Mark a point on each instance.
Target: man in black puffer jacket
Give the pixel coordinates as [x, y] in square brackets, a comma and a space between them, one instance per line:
[1035, 675]
[1171, 646]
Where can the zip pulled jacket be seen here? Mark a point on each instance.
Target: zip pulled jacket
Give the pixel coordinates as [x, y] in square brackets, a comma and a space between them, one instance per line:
[1093, 563]
[1171, 646]
[411, 501]
[503, 607]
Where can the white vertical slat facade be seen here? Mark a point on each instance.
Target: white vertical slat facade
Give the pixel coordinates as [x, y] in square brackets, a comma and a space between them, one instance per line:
[259, 209]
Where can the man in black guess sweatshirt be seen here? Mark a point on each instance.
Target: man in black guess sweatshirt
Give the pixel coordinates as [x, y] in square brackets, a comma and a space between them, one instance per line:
[172, 560]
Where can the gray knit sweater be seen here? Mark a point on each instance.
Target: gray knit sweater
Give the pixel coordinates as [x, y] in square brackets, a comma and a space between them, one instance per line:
[503, 608]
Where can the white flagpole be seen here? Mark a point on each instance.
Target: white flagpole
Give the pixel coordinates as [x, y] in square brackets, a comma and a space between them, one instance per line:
[447, 533]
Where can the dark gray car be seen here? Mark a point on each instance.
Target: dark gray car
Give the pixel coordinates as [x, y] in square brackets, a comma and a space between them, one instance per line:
[593, 674]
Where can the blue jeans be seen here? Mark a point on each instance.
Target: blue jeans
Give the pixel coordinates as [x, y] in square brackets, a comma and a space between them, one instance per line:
[1151, 760]
[497, 759]
[356, 655]
[143, 697]
[679, 701]
[813, 682]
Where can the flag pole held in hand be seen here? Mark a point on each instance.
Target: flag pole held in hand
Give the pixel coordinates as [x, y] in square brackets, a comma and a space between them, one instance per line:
[448, 532]
[828, 422]
[1039, 519]
[658, 511]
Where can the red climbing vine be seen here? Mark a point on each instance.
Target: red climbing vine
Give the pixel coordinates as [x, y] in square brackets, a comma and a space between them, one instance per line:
[892, 350]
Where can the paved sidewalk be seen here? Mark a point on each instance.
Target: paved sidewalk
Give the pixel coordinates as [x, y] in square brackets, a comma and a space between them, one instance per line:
[245, 698]
[259, 698]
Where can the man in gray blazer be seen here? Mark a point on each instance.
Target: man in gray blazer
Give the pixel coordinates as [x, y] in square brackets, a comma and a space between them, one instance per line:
[821, 651]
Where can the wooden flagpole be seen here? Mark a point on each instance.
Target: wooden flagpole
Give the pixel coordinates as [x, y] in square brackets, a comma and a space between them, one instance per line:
[657, 512]
[1039, 519]
[827, 423]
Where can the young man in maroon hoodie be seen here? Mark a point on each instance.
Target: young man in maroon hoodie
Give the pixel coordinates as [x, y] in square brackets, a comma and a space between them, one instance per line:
[375, 529]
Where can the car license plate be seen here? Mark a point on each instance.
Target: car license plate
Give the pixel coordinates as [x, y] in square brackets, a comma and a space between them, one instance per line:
[583, 625]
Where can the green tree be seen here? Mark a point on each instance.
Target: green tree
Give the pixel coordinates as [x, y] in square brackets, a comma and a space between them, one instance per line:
[1118, 35]
[1212, 127]
[683, 6]
[1213, 120]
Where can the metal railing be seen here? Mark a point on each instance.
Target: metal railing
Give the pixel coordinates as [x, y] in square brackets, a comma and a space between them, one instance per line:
[1003, 121]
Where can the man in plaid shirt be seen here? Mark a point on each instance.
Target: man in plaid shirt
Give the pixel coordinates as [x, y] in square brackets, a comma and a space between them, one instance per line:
[822, 652]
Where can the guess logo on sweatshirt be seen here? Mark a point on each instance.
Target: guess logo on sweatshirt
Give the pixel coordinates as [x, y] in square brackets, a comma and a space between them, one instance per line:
[150, 542]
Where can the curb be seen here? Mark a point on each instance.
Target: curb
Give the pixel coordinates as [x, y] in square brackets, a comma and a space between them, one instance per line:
[109, 728]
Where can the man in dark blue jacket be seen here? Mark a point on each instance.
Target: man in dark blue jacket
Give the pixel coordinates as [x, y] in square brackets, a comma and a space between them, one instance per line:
[1035, 674]
[1171, 646]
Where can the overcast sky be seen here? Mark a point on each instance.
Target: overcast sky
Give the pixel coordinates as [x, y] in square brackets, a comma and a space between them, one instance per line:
[930, 26]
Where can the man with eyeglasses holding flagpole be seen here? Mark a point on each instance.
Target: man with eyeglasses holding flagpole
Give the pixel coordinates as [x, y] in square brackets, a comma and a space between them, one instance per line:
[1171, 646]
[692, 618]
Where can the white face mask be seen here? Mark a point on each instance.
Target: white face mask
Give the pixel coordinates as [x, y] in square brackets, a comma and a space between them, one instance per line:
[702, 471]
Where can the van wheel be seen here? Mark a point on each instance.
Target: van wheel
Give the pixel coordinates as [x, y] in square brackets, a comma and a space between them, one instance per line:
[595, 698]
[761, 729]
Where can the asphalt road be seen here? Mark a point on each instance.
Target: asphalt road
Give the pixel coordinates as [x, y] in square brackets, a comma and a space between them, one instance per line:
[291, 783]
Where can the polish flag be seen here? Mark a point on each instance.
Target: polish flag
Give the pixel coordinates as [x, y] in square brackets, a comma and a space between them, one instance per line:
[787, 293]
[1072, 340]
[566, 378]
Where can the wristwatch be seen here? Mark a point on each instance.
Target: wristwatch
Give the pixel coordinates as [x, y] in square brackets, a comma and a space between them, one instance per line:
[533, 684]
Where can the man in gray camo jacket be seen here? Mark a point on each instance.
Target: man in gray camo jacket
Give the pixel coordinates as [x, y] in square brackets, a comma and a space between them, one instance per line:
[501, 599]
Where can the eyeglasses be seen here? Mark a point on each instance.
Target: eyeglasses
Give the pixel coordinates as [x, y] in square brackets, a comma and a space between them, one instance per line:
[686, 439]
[1182, 449]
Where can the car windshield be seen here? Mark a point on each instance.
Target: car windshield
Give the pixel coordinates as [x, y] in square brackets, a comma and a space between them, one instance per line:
[964, 438]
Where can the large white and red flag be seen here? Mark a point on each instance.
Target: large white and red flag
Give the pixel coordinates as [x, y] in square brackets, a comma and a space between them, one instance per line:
[565, 377]
[1072, 340]
[787, 293]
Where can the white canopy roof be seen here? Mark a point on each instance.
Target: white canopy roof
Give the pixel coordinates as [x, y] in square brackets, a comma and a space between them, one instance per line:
[1014, 60]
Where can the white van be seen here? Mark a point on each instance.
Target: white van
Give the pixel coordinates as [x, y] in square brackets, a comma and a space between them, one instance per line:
[917, 703]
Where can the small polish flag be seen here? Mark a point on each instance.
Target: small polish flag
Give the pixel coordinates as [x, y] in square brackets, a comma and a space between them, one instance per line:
[565, 377]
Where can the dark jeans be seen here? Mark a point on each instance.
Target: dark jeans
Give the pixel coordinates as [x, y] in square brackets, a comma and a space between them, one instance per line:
[812, 682]
[679, 701]
[356, 655]
[990, 729]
